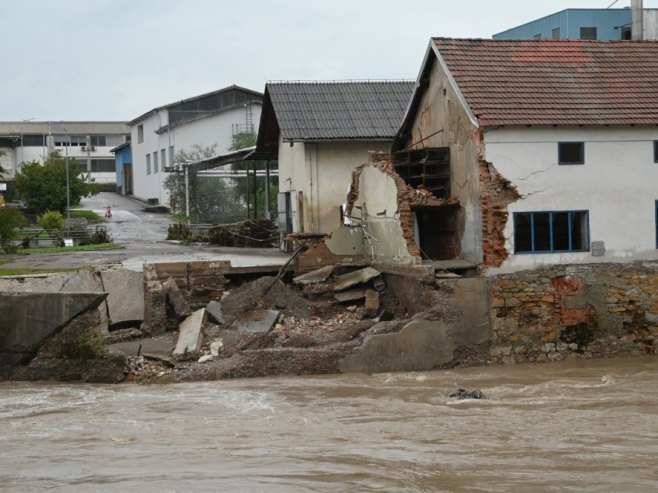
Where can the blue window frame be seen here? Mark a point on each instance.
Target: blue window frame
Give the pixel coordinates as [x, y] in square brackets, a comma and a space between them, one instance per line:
[551, 231]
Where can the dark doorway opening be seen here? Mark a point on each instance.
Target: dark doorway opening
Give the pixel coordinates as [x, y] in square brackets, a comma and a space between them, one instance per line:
[437, 233]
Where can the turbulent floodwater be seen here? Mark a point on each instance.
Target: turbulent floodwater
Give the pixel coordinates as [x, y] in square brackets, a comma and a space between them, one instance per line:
[574, 426]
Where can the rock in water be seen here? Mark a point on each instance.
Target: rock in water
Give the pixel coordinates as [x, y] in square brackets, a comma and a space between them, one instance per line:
[467, 394]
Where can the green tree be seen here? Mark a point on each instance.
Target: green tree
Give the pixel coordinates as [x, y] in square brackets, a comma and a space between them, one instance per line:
[212, 199]
[51, 220]
[43, 186]
[10, 220]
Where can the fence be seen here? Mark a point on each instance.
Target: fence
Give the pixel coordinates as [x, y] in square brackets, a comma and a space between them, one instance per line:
[39, 237]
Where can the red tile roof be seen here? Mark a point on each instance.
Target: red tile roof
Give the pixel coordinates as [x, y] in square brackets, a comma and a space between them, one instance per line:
[548, 82]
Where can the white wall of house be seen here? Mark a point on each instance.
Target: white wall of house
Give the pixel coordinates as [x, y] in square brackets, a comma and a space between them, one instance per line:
[216, 130]
[618, 185]
[322, 171]
[147, 183]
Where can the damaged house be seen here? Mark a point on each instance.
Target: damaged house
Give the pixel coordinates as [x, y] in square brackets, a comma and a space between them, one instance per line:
[551, 150]
[319, 132]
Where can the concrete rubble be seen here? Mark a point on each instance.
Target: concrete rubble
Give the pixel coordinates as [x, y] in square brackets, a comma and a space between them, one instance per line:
[350, 279]
[316, 276]
[190, 337]
[340, 319]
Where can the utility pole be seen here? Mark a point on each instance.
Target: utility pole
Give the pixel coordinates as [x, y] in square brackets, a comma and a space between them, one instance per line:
[68, 191]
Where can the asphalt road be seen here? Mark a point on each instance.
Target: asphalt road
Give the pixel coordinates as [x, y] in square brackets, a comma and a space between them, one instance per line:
[142, 237]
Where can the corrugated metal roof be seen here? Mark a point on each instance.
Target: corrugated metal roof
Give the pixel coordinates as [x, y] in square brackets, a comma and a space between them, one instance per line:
[555, 82]
[339, 110]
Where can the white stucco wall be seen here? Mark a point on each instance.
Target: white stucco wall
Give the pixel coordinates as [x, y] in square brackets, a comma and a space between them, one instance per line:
[618, 185]
[322, 171]
[146, 186]
[214, 130]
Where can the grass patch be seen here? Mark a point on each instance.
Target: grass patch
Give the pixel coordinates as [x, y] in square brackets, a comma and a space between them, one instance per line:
[86, 214]
[77, 248]
[26, 272]
[23, 271]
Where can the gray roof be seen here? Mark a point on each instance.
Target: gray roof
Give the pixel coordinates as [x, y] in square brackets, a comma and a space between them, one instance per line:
[339, 110]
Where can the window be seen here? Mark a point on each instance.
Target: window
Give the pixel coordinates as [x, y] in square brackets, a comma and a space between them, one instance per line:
[571, 153]
[69, 140]
[155, 162]
[30, 140]
[98, 140]
[140, 134]
[555, 33]
[163, 158]
[171, 156]
[546, 232]
[537, 36]
[626, 33]
[98, 165]
[148, 164]
[655, 151]
[588, 33]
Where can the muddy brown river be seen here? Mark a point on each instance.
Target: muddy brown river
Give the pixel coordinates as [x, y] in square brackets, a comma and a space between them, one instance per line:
[570, 426]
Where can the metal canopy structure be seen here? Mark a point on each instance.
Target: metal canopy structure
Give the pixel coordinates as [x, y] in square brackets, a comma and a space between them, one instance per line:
[243, 155]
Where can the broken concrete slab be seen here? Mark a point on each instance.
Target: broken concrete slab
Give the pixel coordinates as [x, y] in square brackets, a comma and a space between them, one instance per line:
[316, 276]
[259, 321]
[372, 303]
[360, 276]
[29, 318]
[125, 299]
[214, 309]
[161, 345]
[420, 346]
[81, 281]
[350, 295]
[205, 358]
[190, 337]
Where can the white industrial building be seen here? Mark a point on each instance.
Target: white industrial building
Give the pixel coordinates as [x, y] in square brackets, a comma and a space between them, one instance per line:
[208, 120]
[89, 143]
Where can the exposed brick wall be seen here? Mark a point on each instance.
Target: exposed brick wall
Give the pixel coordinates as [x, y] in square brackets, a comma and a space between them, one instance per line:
[407, 197]
[584, 311]
[496, 193]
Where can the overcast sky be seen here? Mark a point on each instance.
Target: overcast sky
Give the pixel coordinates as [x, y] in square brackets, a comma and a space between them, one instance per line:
[116, 59]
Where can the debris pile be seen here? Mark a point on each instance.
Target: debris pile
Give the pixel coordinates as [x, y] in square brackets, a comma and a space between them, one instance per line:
[261, 326]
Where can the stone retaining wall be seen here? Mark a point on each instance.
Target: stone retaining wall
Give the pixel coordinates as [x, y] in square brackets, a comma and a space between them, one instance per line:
[575, 311]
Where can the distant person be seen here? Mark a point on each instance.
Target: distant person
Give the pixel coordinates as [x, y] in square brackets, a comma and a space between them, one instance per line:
[108, 212]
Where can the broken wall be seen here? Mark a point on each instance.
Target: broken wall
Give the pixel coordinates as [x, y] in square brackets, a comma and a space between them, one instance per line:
[443, 121]
[382, 204]
[377, 206]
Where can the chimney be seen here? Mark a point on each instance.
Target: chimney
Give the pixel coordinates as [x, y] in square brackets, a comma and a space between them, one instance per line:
[637, 11]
